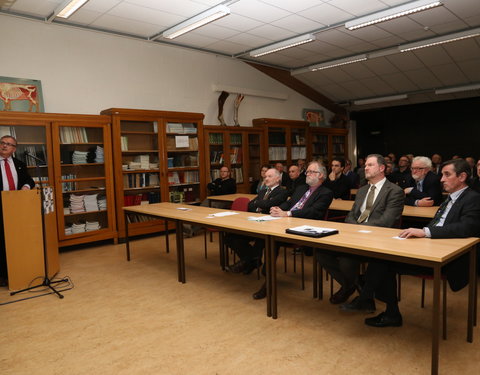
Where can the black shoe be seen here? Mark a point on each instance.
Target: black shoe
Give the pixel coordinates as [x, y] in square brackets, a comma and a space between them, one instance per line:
[261, 293]
[384, 320]
[357, 304]
[360, 283]
[250, 266]
[237, 267]
[342, 295]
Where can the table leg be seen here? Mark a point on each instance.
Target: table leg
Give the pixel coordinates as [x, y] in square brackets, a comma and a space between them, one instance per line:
[472, 294]
[273, 278]
[127, 242]
[167, 240]
[436, 318]
[315, 273]
[268, 275]
[180, 252]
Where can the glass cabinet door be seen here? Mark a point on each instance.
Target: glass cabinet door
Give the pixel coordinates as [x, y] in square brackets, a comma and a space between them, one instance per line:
[183, 162]
[85, 181]
[299, 148]
[236, 156]
[277, 150]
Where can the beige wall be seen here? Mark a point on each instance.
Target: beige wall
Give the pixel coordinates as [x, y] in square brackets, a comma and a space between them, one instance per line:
[86, 71]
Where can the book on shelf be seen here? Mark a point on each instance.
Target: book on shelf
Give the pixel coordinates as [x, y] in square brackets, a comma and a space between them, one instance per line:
[235, 155]
[73, 135]
[124, 143]
[215, 138]
[299, 152]
[138, 180]
[235, 139]
[277, 153]
[216, 157]
[237, 174]
[181, 128]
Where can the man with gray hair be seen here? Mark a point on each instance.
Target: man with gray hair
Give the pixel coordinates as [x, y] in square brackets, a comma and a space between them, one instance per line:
[310, 201]
[250, 254]
[425, 189]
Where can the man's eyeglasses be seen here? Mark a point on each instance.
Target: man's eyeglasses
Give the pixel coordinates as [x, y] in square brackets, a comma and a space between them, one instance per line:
[311, 172]
[7, 144]
[418, 168]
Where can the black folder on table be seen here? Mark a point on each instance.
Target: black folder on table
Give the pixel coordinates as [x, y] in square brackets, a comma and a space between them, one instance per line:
[312, 232]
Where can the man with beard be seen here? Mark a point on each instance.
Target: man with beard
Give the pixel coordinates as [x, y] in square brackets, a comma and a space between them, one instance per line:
[425, 189]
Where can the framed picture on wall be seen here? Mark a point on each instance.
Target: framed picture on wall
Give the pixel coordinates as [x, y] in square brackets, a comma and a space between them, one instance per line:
[20, 94]
[315, 117]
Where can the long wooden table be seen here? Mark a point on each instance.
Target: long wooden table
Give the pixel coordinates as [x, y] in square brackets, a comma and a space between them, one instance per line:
[352, 239]
[340, 205]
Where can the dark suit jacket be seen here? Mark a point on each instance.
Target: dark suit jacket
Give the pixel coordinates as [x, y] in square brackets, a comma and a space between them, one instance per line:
[285, 179]
[431, 188]
[340, 187]
[293, 184]
[276, 197]
[402, 179]
[463, 220]
[222, 187]
[315, 207]
[23, 176]
[387, 208]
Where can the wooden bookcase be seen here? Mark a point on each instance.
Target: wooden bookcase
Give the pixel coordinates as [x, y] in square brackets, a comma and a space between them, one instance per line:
[284, 141]
[237, 148]
[327, 143]
[82, 150]
[157, 157]
[39, 134]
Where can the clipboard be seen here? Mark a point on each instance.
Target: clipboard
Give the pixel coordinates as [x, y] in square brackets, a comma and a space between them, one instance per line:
[315, 234]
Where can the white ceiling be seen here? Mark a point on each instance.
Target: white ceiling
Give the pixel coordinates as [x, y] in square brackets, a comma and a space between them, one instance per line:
[257, 23]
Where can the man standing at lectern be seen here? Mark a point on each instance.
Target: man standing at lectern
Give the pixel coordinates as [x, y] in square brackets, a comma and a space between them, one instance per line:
[14, 177]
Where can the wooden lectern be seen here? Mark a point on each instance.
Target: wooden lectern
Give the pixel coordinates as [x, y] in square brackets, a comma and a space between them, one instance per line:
[24, 245]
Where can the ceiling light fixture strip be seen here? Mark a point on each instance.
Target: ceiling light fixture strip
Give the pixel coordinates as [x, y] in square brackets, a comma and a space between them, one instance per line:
[289, 43]
[395, 12]
[334, 64]
[197, 21]
[68, 8]
[439, 40]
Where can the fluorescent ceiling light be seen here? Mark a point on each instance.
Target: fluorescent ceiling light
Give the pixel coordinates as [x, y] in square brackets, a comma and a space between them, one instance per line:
[440, 40]
[449, 90]
[394, 12]
[380, 100]
[197, 21]
[67, 8]
[302, 39]
[339, 62]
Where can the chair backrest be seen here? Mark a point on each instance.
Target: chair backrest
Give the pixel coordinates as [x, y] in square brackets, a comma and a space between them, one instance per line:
[240, 204]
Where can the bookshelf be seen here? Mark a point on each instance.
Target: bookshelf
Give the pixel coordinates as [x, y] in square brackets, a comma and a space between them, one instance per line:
[156, 159]
[237, 148]
[285, 140]
[327, 143]
[84, 179]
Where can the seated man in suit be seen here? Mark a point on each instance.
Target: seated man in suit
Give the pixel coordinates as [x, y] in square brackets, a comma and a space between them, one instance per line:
[14, 176]
[222, 185]
[458, 216]
[425, 189]
[337, 181]
[296, 179]
[250, 255]
[403, 175]
[380, 203]
[283, 175]
[309, 201]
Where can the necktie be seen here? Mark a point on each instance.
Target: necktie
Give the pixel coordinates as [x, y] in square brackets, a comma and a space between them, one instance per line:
[368, 207]
[265, 197]
[8, 172]
[299, 205]
[441, 210]
[419, 186]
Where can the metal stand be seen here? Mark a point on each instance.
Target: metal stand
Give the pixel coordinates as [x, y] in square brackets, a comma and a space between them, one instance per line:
[46, 281]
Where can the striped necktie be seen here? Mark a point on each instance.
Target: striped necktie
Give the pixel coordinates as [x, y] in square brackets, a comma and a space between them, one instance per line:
[441, 211]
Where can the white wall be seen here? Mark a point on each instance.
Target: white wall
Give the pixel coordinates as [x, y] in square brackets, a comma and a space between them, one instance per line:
[85, 71]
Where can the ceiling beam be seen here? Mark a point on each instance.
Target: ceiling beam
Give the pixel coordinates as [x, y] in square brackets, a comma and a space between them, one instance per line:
[284, 77]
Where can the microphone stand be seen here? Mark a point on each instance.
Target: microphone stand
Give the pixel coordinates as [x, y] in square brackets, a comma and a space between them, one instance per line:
[46, 280]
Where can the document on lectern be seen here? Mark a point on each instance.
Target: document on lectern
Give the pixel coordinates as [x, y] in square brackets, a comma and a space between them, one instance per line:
[310, 231]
